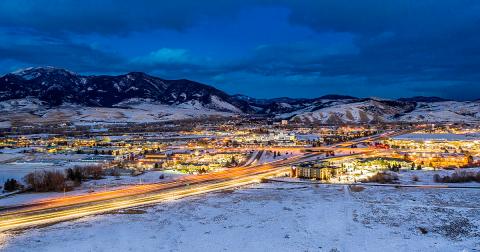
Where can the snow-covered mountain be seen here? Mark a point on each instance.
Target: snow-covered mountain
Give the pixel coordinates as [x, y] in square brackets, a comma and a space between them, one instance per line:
[58, 86]
[47, 94]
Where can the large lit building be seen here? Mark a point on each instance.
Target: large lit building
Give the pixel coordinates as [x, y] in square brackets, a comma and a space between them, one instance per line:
[317, 171]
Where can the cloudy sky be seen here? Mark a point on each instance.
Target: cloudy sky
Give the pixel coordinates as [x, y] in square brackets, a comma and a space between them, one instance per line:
[387, 48]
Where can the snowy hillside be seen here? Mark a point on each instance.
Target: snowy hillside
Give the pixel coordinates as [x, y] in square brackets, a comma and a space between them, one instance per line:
[33, 111]
[374, 110]
[446, 111]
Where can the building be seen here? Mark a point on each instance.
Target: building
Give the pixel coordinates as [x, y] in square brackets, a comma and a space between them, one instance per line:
[449, 143]
[154, 158]
[316, 172]
[440, 160]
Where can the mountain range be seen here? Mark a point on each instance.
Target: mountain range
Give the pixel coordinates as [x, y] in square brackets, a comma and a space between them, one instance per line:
[53, 94]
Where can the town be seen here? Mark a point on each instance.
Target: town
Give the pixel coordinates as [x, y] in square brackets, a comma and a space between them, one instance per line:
[72, 169]
[328, 126]
[343, 153]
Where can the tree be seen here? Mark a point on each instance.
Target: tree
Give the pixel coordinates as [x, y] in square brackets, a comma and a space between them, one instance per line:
[45, 181]
[234, 161]
[74, 175]
[470, 160]
[334, 173]
[11, 185]
[93, 172]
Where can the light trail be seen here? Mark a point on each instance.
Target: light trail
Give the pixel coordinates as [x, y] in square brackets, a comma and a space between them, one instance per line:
[61, 209]
[27, 220]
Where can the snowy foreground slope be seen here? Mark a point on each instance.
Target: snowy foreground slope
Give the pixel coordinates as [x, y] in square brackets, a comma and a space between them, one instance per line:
[276, 217]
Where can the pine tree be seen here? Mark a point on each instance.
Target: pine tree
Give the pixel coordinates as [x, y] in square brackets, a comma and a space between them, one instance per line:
[10, 185]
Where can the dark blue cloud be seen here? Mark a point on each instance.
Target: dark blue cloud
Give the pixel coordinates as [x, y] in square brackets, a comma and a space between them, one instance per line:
[110, 16]
[32, 48]
[261, 48]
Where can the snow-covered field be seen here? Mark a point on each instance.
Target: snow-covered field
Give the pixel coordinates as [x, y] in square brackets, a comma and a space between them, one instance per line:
[14, 164]
[276, 217]
[105, 184]
[425, 177]
[438, 137]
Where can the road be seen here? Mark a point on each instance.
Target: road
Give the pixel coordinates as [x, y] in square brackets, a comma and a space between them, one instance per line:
[61, 209]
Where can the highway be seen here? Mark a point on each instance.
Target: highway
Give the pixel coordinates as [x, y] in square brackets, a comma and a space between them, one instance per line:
[61, 209]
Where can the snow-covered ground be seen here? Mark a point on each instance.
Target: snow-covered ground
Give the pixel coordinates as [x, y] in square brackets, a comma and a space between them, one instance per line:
[15, 164]
[425, 177]
[276, 217]
[439, 137]
[145, 178]
[5, 124]
[268, 156]
[405, 177]
[105, 184]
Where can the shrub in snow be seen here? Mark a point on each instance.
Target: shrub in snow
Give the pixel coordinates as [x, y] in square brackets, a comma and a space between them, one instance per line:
[79, 173]
[46, 181]
[381, 177]
[458, 177]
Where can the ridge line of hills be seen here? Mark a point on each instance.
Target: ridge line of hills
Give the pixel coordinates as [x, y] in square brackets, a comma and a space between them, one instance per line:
[41, 91]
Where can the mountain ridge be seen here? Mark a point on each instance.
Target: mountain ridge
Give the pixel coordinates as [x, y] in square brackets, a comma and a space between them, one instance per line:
[58, 87]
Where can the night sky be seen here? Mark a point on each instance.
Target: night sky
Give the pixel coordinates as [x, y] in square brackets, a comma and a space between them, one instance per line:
[259, 48]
